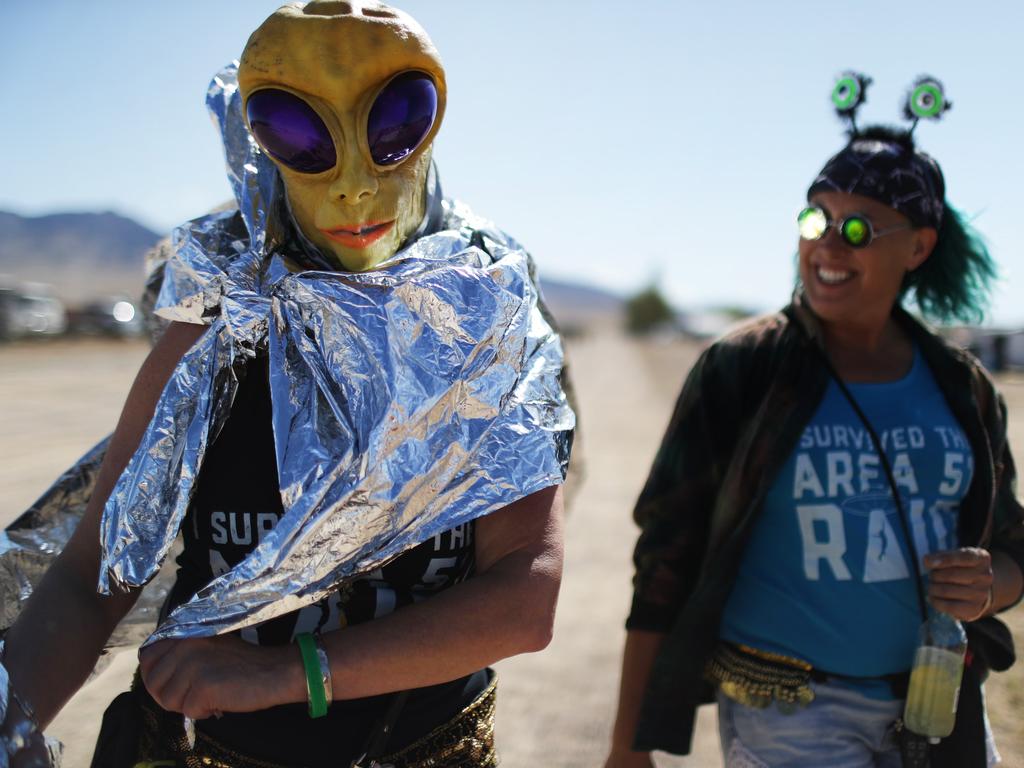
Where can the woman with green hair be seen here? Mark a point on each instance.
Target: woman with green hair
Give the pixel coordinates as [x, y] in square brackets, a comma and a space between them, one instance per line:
[834, 475]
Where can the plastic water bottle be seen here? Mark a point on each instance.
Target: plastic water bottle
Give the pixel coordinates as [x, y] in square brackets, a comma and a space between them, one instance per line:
[930, 709]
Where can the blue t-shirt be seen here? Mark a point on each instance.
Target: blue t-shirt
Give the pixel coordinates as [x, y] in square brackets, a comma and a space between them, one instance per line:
[827, 575]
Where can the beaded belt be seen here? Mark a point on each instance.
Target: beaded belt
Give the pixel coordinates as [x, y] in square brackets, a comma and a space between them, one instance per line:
[465, 741]
[757, 678]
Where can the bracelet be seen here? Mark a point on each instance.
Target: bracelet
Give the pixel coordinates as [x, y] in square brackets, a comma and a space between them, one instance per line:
[12, 694]
[325, 669]
[316, 685]
[30, 714]
[991, 599]
[988, 604]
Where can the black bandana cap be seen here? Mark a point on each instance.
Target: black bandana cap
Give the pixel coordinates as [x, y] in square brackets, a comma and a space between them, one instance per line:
[888, 168]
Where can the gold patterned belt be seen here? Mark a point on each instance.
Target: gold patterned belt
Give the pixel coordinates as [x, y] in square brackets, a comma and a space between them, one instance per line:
[465, 741]
[757, 678]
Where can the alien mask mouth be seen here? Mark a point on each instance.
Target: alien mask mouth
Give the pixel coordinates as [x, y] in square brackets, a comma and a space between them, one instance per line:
[359, 236]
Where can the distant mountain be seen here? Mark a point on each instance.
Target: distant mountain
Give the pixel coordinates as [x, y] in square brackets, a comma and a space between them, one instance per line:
[576, 294]
[81, 255]
[575, 304]
[87, 255]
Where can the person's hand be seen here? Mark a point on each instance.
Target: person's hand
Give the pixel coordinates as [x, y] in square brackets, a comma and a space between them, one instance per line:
[203, 677]
[960, 582]
[625, 758]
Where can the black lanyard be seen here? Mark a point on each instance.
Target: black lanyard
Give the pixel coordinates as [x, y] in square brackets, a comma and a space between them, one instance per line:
[904, 518]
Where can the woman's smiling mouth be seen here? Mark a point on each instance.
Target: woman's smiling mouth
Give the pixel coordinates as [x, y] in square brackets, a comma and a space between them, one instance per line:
[832, 276]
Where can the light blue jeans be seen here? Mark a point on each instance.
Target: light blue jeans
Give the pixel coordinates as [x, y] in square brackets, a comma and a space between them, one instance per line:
[841, 728]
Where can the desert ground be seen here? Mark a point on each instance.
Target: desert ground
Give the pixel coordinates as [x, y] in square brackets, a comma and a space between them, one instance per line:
[555, 707]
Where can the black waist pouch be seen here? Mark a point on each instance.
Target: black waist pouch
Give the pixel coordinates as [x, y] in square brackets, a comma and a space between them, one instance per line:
[117, 745]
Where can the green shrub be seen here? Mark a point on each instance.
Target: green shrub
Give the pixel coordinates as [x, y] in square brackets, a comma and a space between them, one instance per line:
[647, 311]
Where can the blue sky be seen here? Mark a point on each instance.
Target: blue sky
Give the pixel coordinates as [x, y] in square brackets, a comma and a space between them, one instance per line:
[623, 143]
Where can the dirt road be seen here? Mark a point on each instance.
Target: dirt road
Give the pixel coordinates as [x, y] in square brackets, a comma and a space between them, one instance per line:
[555, 707]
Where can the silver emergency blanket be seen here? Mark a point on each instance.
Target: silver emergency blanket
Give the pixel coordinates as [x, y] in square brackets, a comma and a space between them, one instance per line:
[30, 544]
[406, 400]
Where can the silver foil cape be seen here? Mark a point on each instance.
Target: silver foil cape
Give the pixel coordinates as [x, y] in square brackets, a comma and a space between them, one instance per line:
[406, 400]
[29, 545]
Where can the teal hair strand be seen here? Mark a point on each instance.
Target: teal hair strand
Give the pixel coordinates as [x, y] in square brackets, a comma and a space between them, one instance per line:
[954, 282]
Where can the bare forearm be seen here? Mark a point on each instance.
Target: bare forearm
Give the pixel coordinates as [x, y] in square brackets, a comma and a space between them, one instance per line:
[54, 644]
[446, 637]
[506, 608]
[637, 661]
[461, 630]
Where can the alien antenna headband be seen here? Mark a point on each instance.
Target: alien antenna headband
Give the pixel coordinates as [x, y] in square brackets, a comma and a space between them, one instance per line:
[882, 162]
[924, 100]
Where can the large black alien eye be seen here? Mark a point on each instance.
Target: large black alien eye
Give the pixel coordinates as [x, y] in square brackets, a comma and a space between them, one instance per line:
[290, 130]
[401, 117]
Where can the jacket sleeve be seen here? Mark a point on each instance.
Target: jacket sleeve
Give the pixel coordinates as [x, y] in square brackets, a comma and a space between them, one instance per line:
[1008, 515]
[674, 509]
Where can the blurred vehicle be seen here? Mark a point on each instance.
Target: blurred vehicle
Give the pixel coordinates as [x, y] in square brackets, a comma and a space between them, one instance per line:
[998, 349]
[30, 310]
[110, 316]
[7, 301]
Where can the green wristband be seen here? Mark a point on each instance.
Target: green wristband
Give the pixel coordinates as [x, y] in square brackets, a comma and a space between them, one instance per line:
[315, 691]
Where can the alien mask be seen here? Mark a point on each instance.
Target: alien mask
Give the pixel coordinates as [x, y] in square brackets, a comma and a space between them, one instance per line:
[346, 98]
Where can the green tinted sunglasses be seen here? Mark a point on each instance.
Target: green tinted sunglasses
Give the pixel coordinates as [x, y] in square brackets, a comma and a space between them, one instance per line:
[855, 230]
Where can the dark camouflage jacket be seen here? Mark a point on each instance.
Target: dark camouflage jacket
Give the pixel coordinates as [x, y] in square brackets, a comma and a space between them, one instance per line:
[739, 417]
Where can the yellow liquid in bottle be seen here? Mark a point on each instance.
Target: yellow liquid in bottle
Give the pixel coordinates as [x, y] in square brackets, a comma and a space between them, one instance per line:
[934, 687]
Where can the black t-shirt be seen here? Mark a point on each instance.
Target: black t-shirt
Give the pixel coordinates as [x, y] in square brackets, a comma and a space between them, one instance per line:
[237, 501]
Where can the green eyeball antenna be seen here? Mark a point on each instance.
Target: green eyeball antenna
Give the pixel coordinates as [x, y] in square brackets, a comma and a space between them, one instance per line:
[849, 93]
[926, 100]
